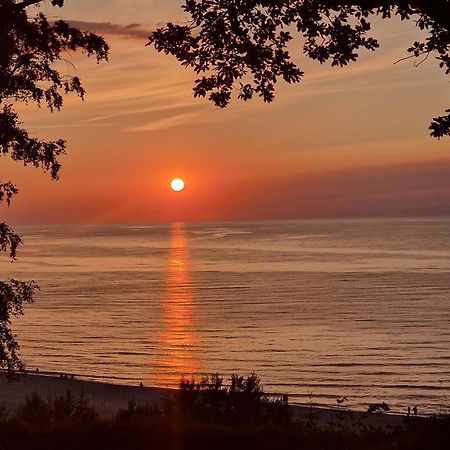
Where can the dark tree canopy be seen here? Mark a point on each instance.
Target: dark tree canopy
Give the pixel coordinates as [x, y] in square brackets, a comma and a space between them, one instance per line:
[30, 46]
[243, 44]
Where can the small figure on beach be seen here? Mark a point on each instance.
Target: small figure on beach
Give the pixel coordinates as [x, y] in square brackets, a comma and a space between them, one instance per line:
[37, 369]
[409, 412]
[141, 384]
[72, 377]
[415, 410]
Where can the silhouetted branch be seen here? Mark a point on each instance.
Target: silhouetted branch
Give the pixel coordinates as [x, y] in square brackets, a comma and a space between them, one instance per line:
[440, 126]
[7, 191]
[9, 241]
[26, 3]
[13, 295]
[29, 49]
[247, 44]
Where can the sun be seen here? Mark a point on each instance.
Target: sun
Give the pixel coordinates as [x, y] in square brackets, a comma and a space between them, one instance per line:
[177, 184]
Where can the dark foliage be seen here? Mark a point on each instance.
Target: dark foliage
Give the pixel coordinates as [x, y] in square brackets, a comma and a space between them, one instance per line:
[243, 44]
[65, 412]
[378, 408]
[242, 402]
[30, 46]
[9, 241]
[7, 190]
[71, 423]
[13, 295]
[440, 126]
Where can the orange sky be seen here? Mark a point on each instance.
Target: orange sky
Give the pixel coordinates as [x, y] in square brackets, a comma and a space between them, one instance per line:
[344, 143]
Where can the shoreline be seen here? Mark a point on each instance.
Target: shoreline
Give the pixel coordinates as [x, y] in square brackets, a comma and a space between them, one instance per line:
[109, 398]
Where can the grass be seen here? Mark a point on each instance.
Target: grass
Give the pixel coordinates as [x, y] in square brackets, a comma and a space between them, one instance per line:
[204, 415]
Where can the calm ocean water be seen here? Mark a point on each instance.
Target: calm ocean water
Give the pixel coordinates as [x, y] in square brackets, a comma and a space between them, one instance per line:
[355, 308]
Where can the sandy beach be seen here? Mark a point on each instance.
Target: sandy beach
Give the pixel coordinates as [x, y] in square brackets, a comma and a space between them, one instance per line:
[108, 398]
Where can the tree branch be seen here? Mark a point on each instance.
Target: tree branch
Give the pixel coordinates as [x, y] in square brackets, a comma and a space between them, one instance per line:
[25, 3]
[437, 10]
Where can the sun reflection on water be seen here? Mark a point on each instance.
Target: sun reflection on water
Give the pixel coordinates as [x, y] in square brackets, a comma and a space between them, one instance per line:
[179, 341]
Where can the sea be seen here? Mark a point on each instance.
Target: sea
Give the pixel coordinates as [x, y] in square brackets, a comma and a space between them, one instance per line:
[322, 310]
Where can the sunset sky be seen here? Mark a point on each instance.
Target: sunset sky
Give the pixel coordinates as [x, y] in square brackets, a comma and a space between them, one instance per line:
[347, 142]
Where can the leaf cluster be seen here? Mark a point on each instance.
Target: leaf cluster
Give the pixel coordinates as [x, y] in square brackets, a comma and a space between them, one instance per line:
[13, 295]
[29, 50]
[7, 190]
[246, 44]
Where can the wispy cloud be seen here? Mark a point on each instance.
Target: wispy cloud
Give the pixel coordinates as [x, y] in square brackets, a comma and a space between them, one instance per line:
[168, 122]
[133, 30]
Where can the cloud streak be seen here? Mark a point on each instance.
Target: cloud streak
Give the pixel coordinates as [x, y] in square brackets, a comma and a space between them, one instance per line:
[131, 31]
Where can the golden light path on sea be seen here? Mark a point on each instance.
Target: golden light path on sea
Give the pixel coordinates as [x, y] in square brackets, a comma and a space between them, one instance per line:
[179, 341]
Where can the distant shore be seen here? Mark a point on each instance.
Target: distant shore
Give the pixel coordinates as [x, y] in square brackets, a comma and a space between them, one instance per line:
[109, 398]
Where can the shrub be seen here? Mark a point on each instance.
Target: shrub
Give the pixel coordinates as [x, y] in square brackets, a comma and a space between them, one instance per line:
[62, 412]
[243, 401]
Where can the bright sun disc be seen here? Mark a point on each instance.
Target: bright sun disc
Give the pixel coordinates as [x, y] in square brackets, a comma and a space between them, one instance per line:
[177, 185]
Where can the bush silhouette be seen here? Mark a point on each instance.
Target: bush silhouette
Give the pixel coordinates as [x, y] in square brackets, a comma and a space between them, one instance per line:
[243, 401]
[65, 411]
[203, 414]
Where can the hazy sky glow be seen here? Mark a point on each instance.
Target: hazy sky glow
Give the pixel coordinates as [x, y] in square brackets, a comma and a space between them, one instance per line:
[343, 143]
